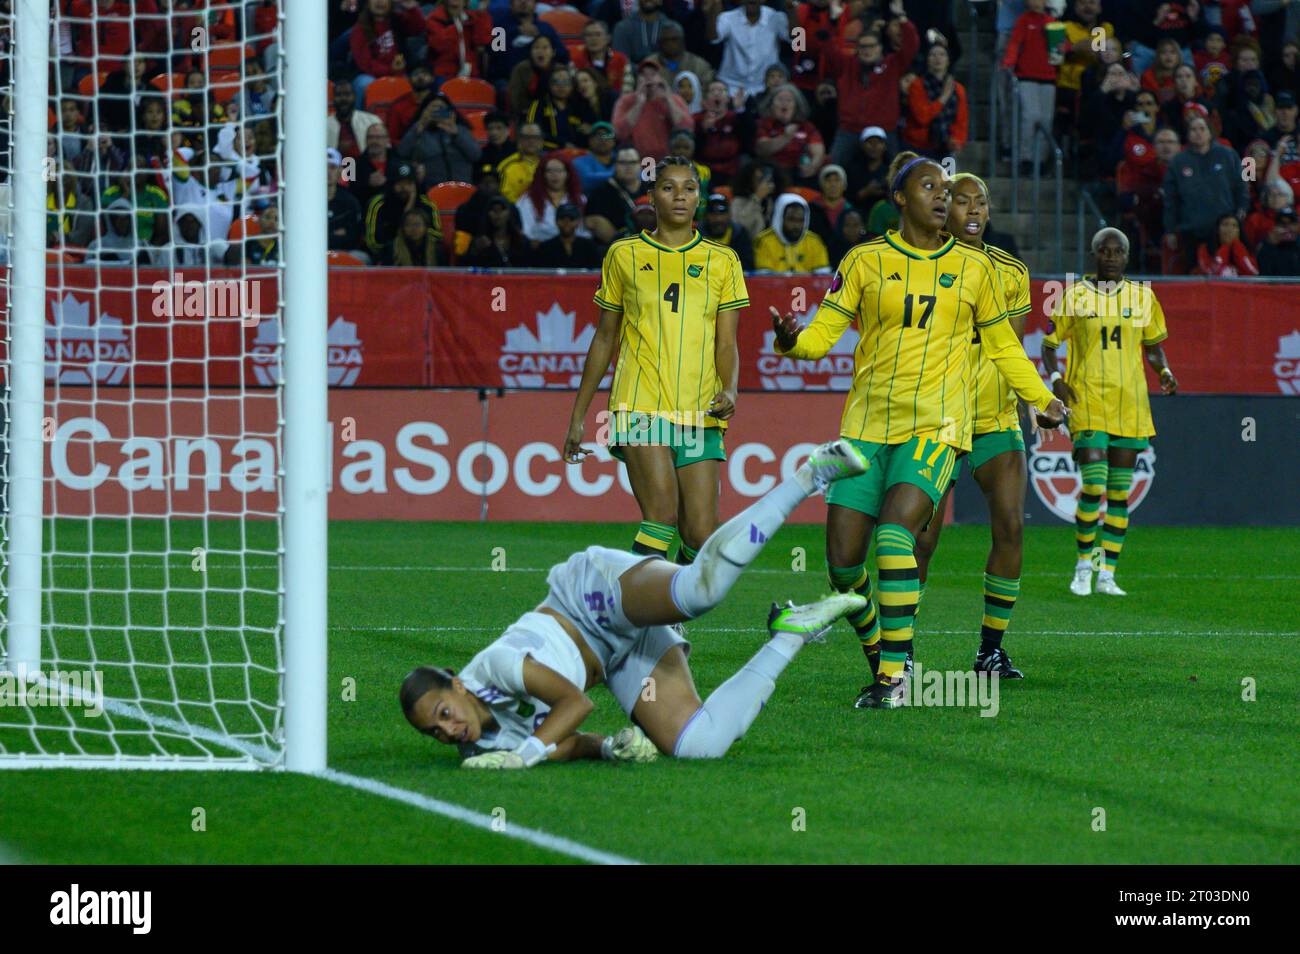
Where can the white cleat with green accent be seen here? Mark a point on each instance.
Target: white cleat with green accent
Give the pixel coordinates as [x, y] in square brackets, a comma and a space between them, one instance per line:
[832, 461]
[1107, 586]
[1081, 585]
[811, 621]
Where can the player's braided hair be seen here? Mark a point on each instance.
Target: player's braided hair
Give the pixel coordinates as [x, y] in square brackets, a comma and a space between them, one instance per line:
[668, 162]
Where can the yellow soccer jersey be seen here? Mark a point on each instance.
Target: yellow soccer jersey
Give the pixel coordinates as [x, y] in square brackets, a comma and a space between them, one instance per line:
[994, 406]
[516, 173]
[917, 311]
[806, 255]
[670, 299]
[1104, 365]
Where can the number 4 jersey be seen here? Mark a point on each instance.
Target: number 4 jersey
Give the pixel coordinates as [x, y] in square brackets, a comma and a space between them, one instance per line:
[670, 299]
[1107, 329]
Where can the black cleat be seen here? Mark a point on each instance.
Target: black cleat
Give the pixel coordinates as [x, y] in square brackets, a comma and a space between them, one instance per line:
[997, 662]
[884, 693]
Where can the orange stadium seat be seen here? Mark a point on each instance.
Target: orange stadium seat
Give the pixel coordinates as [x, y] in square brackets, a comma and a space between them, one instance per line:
[724, 190]
[225, 89]
[90, 83]
[243, 228]
[568, 23]
[226, 56]
[477, 125]
[469, 93]
[173, 84]
[383, 92]
[808, 195]
[448, 197]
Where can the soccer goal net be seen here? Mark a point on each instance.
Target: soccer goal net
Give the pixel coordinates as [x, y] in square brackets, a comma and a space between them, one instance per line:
[161, 604]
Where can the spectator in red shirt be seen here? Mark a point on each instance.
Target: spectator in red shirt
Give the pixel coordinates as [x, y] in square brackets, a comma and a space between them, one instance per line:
[1028, 58]
[596, 53]
[1140, 172]
[820, 21]
[1159, 77]
[720, 134]
[1211, 60]
[1187, 91]
[405, 110]
[786, 139]
[1278, 195]
[936, 123]
[382, 29]
[1231, 257]
[866, 87]
[458, 40]
[106, 33]
[646, 117]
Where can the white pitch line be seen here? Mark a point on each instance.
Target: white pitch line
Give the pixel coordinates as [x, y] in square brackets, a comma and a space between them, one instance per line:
[533, 836]
[755, 630]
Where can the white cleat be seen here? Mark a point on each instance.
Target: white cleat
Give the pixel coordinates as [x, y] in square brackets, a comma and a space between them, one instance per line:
[830, 462]
[1081, 585]
[1106, 584]
[811, 621]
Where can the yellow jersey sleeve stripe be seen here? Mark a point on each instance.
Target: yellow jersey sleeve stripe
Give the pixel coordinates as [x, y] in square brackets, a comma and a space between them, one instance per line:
[732, 305]
[1152, 341]
[1017, 312]
[991, 321]
[843, 311]
[608, 306]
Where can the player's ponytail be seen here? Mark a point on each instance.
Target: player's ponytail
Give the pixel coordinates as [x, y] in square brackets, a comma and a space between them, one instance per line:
[420, 680]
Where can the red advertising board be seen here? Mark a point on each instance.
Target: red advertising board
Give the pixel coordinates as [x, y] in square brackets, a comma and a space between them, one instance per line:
[440, 328]
[396, 454]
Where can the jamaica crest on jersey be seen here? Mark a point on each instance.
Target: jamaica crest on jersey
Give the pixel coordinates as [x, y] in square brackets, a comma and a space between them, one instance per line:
[1055, 476]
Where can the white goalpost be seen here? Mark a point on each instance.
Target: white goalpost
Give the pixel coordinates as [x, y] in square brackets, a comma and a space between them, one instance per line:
[164, 444]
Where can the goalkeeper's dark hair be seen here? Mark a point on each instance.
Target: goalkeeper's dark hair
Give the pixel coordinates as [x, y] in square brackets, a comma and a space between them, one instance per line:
[669, 162]
[420, 680]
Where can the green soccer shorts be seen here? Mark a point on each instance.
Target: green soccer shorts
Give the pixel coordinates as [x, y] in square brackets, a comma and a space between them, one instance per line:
[689, 444]
[984, 447]
[1102, 440]
[921, 461]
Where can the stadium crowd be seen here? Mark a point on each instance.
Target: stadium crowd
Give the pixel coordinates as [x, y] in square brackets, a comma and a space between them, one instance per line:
[510, 133]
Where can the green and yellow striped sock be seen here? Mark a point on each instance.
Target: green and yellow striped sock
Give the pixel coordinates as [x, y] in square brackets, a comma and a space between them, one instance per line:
[1115, 524]
[686, 555]
[1085, 513]
[1000, 596]
[899, 585]
[866, 623]
[653, 539]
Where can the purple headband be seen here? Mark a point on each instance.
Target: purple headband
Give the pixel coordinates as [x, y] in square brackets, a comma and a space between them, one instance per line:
[902, 173]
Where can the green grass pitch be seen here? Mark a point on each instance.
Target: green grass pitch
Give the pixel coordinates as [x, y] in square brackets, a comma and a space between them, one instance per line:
[1133, 706]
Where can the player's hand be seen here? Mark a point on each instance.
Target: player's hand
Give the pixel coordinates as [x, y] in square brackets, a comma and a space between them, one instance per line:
[494, 760]
[1064, 392]
[574, 452]
[1168, 383]
[786, 327]
[629, 744]
[1053, 417]
[723, 405]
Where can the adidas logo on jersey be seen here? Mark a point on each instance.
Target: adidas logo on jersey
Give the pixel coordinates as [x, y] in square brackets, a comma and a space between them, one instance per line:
[647, 267]
[925, 472]
[894, 277]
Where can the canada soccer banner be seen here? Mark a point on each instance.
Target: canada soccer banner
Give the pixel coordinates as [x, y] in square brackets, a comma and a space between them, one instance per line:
[397, 455]
[439, 328]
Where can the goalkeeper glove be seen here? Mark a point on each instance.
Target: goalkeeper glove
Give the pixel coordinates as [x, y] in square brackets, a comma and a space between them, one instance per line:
[494, 760]
[628, 745]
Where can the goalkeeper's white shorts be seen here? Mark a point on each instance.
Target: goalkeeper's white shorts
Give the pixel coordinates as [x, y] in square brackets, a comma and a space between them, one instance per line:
[585, 589]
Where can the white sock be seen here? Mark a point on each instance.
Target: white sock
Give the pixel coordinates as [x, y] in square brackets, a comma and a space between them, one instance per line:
[699, 587]
[1082, 563]
[731, 708]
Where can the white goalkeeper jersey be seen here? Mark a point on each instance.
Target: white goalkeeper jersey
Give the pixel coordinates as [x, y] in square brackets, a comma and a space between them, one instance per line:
[496, 676]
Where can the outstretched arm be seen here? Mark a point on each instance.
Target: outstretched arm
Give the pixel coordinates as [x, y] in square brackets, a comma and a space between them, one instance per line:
[594, 367]
[1003, 347]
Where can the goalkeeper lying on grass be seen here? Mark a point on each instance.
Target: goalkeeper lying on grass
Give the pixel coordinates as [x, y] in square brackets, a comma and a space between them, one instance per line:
[609, 617]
